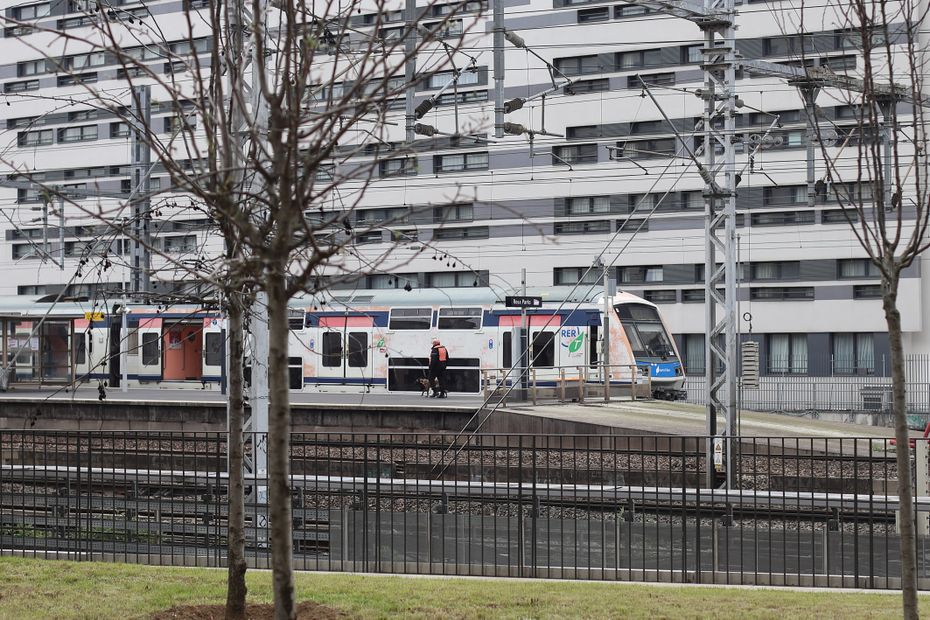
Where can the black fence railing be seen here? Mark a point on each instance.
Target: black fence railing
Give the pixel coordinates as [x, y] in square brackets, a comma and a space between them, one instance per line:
[801, 511]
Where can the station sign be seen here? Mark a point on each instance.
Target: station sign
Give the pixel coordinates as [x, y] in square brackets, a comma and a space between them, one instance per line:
[522, 301]
[93, 316]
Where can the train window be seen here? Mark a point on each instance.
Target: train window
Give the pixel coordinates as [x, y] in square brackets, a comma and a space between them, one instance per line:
[645, 331]
[460, 318]
[358, 349]
[543, 350]
[411, 318]
[80, 348]
[507, 343]
[332, 349]
[132, 341]
[214, 349]
[295, 320]
[150, 353]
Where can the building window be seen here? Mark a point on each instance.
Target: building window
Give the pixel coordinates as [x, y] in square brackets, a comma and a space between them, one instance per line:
[392, 280]
[440, 79]
[587, 205]
[574, 154]
[456, 279]
[782, 293]
[374, 236]
[468, 96]
[85, 61]
[633, 225]
[581, 228]
[599, 14]
[787, 354]
[459, 318]
[623, 11]
[782, 270]
[663, 296]
[401, 166]
[26, 121]
[853, 354]
[458, 234]
[566, 276]
[636, 149]
[693, 353]
[579, 65]
[177, 123]
[30, 67]
[83, 133]
[453, 213]
[782, 218]
[691, 54]
[40, 137]
[457, 162]
[855, 268]
[867, 291]
[21, 87]
[692, 296]
[180, 244]
[651, 79]
[638, 59]
[641, 274]
[588, 86]
[838, 216]
[388, 215]
[30, 11]
[119, 129]
[79, 78]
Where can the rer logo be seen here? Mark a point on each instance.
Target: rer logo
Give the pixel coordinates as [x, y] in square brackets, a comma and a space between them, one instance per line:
[573, 340]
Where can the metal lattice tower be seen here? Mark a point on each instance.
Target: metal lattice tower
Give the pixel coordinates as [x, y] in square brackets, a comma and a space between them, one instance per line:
[719, 174]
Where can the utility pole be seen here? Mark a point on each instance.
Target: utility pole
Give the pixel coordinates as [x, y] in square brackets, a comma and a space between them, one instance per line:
[244, 89]
[605, 347]
[410, 67]
[498, 14]
[140, 284]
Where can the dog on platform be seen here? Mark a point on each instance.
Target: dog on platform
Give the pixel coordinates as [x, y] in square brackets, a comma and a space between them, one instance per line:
[424, 386]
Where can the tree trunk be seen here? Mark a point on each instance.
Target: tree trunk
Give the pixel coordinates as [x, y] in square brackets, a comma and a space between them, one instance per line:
[905, 490]
[279, 443]
[235, 584]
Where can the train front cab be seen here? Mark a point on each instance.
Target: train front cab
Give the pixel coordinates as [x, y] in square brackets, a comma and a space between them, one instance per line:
[652, 348]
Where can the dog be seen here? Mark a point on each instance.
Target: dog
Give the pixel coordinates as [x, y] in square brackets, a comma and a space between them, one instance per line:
[424, 386]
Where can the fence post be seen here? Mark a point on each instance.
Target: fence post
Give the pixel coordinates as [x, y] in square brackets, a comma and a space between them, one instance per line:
[581, 382]
[606, 372]
[534, 386]
[561, 384]
[634, 378]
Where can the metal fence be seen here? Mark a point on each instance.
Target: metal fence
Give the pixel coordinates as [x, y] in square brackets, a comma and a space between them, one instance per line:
[867, 393]
[814, 511]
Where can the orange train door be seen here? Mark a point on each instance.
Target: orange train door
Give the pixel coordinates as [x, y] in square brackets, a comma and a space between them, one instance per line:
[183, 351]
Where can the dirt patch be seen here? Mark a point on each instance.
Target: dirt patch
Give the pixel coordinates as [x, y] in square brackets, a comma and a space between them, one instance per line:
[307, 610]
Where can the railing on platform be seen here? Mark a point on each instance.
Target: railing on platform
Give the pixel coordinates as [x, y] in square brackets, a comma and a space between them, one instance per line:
[573, 383]
[803, 511]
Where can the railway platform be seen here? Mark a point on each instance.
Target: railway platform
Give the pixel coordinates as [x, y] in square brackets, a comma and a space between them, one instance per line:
[196, 410]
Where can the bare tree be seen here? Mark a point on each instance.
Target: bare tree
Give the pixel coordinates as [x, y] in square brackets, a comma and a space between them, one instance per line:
[876, 169]
[280, 121]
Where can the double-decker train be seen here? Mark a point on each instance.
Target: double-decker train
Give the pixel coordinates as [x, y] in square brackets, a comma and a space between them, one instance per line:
[369, 339]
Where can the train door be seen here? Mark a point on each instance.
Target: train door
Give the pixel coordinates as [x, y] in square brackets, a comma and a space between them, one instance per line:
[544, 344]
[345, 349]
[148, 353]
[214, 349]
[82, 347]
[183, 350]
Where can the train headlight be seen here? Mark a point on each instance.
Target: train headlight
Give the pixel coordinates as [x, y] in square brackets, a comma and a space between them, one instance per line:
[678, 371]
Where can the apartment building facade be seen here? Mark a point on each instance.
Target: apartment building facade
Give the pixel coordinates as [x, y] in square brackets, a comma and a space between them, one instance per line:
[607, 168]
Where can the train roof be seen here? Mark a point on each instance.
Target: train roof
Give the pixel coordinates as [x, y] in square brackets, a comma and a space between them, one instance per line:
[477, 296]
[36, 306]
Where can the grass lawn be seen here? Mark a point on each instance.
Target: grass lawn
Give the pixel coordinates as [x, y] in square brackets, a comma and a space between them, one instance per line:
[51, 589]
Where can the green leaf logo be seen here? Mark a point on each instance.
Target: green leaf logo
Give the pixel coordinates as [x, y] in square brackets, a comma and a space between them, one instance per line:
[575, 345]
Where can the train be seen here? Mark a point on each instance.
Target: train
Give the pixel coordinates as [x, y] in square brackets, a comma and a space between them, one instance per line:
[370, 340]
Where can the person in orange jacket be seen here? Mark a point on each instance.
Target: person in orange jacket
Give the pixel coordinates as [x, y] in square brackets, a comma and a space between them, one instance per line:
[438, 359]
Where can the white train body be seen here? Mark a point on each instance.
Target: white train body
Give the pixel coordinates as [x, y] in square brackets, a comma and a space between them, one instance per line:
[376, 341]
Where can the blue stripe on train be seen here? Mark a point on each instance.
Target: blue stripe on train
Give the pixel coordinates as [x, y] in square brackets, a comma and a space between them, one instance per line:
[346, 380]
[662, 370]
